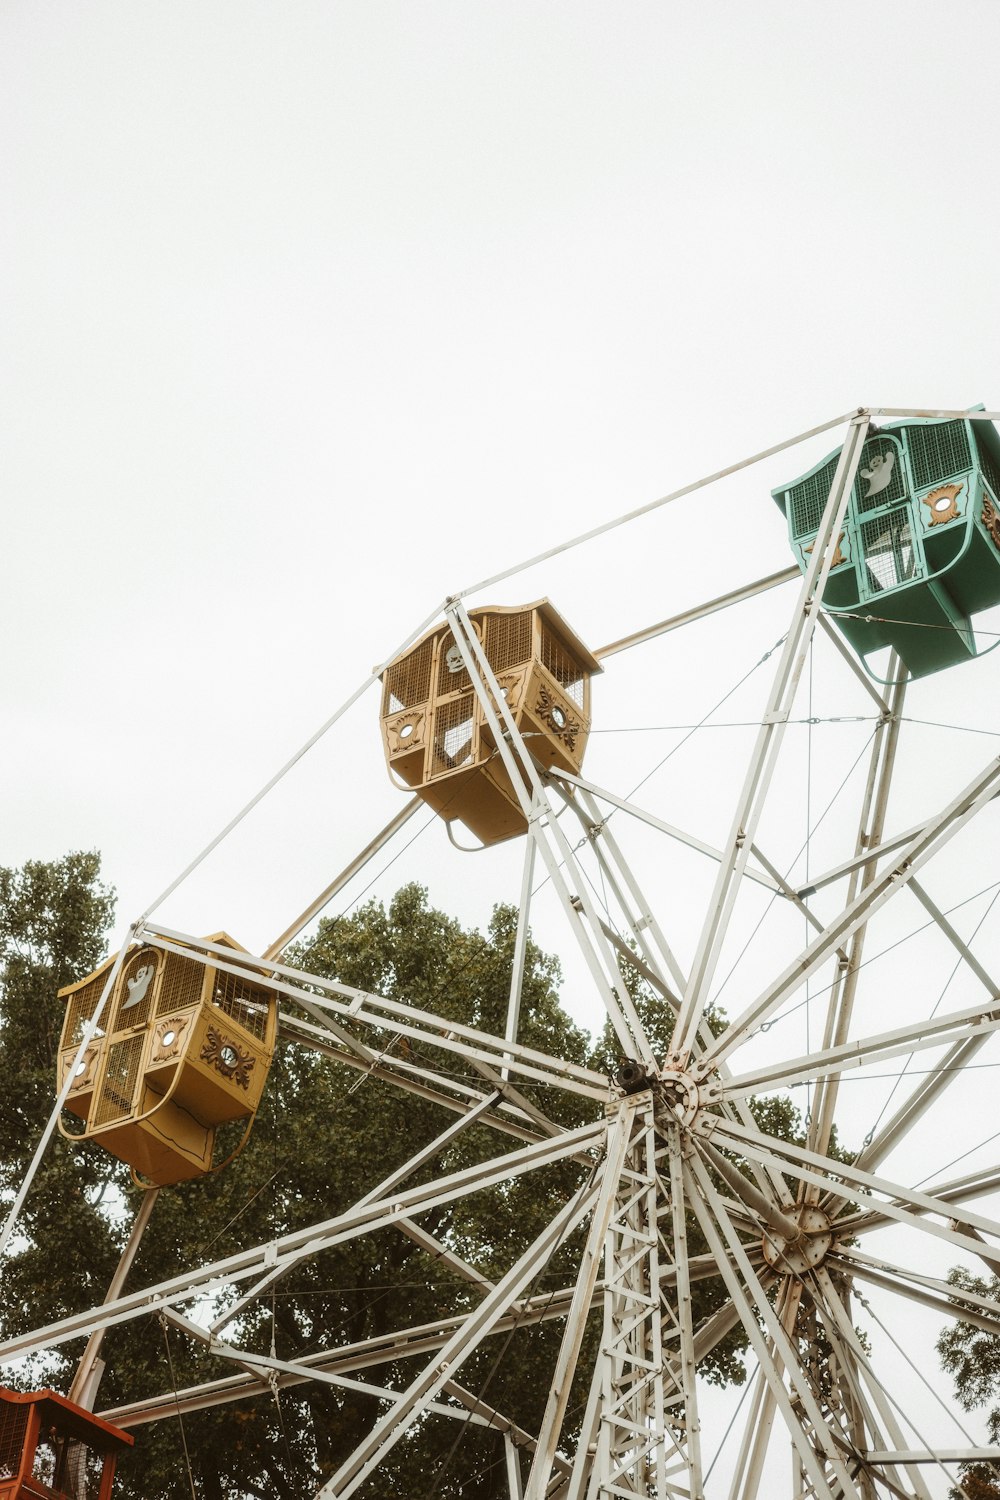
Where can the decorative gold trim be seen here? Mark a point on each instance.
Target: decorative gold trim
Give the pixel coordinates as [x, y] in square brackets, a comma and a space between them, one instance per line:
[546, 708]
[397, 740]
[838, 556]
[512, 684]
[238, 1067]
[163, 1052]
[991, 520]
[939, 513]
[85, 1079]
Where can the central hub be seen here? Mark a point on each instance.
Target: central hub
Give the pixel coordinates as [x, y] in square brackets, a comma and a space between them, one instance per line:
[809, 1247]
[680, 1095]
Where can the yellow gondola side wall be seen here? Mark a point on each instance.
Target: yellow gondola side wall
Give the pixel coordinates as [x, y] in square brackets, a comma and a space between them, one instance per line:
[187, 1048]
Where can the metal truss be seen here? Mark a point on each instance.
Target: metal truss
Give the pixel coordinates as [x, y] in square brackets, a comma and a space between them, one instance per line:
[695, 1231]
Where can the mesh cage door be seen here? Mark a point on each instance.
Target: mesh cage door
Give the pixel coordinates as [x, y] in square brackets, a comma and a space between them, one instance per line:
[508, 640]
[455, 737]
[122, 1081]
[564, 667]
[408, 679]
[881, 476]
[136, 986]
[938, 451]
[889, 550]
[13, 1431]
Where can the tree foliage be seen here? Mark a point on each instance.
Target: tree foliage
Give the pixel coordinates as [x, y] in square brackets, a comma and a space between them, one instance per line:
[326, 1135]
[971, 1355]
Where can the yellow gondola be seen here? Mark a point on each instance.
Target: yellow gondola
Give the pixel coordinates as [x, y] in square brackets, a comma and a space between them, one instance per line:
[185, 1048]
[435, 733]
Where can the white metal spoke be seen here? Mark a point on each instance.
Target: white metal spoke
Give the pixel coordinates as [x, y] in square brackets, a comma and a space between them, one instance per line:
[750, 804]
[364, 1008]
[507, 1118]
[414, 1400]
[915, 855]
[749, 1298]
[699, 612]
[879, 1396]
[623, 804]
[356, 1221]
[313, 910]
[637, 911]
[386, 1186]
[809, 1166]
[535, 805]
[520, 949]
[619, 1135]
[959, 1190]
[973, 1023]
[929, 1291]
[871, 825]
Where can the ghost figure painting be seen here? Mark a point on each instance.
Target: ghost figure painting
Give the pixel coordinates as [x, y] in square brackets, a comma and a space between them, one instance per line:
[880, 473]
[138, 985]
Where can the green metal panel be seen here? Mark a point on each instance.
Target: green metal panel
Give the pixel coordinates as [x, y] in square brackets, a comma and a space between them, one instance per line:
[920, 550]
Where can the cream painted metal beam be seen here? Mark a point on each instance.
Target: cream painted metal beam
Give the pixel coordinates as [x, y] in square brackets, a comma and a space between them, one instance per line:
[974, 1022]
[698, 612]
[653, 505]
[809, 1166]
[275, 949]
[387, 1186]
[412, 1402]
[364, 1008]
[623, 804]
[349, 1225]
[760, 770]
[752, 1304]
[936, 833]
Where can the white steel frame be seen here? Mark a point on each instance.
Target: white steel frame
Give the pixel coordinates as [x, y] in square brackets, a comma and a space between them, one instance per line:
[679, 1154]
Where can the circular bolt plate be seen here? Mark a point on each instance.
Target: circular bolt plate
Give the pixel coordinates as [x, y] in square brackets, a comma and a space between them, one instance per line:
[805, 1252]
[680, 1095]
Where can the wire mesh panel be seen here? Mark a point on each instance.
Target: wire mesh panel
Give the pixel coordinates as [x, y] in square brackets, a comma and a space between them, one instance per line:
[887, 542]
[508, 640]
[66, 1469]
[454, 734]
[564, 668]
[13, 1428]
[183, 979]
[808, 499]
[408, 680]
[117, 1097]
[937, 452]
[247, 1004]
[80, 1007]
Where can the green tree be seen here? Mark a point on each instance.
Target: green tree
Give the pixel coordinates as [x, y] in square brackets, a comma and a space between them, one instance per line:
[325, 1136]
[971, 1356]
[53, 921]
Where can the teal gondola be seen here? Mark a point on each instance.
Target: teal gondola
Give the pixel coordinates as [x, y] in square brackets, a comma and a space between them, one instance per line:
[919, 551]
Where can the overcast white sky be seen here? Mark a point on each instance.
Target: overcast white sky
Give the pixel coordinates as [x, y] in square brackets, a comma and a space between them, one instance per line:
[314, 313]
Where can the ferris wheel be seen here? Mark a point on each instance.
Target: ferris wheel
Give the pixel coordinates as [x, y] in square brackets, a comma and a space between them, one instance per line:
[840, 960]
